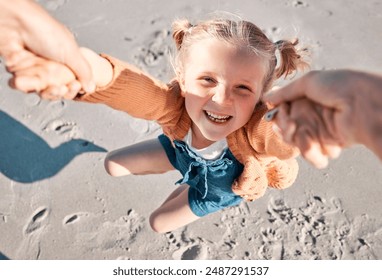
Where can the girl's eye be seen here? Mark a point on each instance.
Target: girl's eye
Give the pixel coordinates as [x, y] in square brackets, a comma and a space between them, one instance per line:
[244, 87]
[208, 79]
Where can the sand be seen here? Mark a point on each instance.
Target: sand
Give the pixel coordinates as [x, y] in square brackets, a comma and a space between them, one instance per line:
[57, 202]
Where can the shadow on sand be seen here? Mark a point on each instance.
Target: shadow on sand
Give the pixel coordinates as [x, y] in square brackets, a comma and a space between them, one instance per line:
[25, 157]
[3, 257]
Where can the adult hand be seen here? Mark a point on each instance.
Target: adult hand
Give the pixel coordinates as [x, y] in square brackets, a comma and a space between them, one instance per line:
[308, 126]
[47, 78]
[53, 80]
[24, 25]
[351, 100]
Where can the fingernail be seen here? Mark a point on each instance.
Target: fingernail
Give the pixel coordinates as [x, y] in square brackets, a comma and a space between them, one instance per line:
[271, 114]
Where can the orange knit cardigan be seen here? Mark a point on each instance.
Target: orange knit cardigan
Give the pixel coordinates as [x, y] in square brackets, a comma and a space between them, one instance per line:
[267, 160]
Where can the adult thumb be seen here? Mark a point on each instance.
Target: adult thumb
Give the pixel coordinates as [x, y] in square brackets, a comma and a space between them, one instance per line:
[287, 93]
[81, 68]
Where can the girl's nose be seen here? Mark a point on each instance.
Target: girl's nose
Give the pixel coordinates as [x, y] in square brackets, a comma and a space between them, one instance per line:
[222, 95]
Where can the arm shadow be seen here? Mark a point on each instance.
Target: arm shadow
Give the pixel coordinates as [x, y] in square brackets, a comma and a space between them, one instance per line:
[26, 157]
[3, 257]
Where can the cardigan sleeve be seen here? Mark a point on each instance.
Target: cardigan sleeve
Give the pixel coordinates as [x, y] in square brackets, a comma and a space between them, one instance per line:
[138, 94]
[276, 157]
[264, 139]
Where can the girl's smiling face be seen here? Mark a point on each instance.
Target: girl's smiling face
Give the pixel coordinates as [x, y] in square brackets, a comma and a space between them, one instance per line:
[221, 84]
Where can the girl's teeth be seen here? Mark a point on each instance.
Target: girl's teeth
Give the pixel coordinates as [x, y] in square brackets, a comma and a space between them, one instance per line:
[217, 118]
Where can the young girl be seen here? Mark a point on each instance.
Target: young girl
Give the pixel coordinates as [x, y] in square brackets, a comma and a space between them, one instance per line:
[211, 116]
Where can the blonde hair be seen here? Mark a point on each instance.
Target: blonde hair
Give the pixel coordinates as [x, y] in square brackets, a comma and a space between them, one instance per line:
[243, 34]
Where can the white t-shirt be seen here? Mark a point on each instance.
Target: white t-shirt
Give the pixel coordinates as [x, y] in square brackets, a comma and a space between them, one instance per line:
[212, 152]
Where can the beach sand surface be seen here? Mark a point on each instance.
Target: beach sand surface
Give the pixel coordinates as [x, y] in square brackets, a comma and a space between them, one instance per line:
[57, 202]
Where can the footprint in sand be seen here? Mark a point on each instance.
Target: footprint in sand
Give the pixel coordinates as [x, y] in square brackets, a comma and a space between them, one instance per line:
[187, 248]
[319, 229]
[194, 252]
[74, 218]
[299, 4]
[63, 128]
[156, 50]
[172, 240]
[154, 53]
[110, 237]
[272, 247]
[120, 234]
[271, 251]
[30, 246]
[37, 221]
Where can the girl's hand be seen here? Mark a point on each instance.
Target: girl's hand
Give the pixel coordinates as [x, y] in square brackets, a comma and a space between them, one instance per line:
[309, 126]
[49, 79]
[53, 80]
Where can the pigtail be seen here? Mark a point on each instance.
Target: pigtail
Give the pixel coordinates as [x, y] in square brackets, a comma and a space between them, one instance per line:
[179, 29]
[291, 58]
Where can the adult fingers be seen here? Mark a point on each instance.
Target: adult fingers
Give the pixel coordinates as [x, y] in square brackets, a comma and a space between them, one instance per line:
[329, 145]
[26, 83]
[29, 79]
[70, 55]
[290, 92]
[332, 151]
[329, 139]
[335, 125]
[286, 125]
[20, 60]
[61, 92]
[310, 148]
[54, 92]
[302, 126]
[73, 89]
[10, 43]
[312, 137]
[60, 46]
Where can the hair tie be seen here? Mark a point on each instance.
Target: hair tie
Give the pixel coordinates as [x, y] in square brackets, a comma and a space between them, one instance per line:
[278, 44]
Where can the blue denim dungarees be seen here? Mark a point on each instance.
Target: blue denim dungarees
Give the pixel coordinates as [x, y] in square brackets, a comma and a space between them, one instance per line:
[210, 181]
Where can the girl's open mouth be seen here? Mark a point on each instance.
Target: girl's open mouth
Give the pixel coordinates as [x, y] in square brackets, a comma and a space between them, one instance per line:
[217, 118]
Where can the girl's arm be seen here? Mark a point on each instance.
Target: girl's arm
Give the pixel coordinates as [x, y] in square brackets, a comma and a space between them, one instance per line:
[119, 85]
[133, 91]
